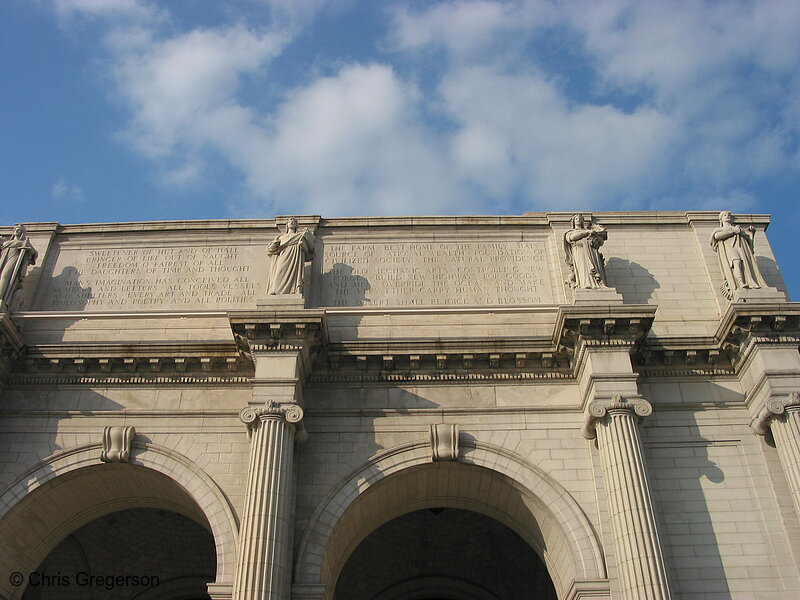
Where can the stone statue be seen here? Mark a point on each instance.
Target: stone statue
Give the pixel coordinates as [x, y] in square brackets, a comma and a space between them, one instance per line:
[581, 245]
[15, 256]
[289, 252]
[734, 247]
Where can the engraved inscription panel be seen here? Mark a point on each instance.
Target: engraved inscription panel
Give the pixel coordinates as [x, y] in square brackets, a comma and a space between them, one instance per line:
[435, 274]
[158, 278]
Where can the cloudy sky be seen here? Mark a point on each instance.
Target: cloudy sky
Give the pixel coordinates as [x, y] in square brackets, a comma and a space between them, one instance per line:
[120, 110]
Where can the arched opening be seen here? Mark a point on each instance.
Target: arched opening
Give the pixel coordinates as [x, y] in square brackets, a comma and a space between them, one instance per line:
[107, 521]
[444, 554]
[132, 553]
[486, 481]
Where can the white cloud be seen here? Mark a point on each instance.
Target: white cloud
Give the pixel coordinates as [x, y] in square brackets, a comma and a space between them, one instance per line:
[737, 200]
[352, 144]
[174, 85]
[709, 104]
[468, 29]
[129, 10]
[66, 192]
[519, 130]
[710, 77]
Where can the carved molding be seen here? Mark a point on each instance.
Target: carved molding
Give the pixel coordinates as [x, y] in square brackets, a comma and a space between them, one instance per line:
[774, 407]
[292, 413]
[117, 441]
[600, 408]
[444, 442]
[745, 326]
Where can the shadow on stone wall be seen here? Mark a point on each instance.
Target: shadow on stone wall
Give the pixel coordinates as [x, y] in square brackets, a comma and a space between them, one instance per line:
[689, 479]
[771, 273]
[340, 287]
[632, 280]
[64, 291]
[82, 402]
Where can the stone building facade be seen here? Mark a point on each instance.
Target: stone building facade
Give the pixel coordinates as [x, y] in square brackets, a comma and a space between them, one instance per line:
[457, 408]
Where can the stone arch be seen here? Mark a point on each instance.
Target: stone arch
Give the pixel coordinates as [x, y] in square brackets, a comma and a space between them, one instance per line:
[156, 477]
[486, 479]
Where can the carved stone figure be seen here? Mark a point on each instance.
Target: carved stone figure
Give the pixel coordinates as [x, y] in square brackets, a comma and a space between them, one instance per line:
[581, 245]
[734, 247]
[15, 256]
[289, 251]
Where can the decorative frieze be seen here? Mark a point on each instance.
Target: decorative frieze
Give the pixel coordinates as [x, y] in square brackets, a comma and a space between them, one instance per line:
[223, 362]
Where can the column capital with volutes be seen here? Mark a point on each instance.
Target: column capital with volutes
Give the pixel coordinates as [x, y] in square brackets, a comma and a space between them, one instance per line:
[598, 409]
[774, 407]
[291, 413]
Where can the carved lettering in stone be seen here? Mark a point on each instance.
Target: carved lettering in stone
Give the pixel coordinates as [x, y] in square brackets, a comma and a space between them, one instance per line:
[444, 441]
[117, 442]
[171, 277]
[428, 273]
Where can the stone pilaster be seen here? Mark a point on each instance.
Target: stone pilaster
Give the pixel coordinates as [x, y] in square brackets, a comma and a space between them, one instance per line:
[781, 415]
[603, 340]
[642, 573]
[264, 567]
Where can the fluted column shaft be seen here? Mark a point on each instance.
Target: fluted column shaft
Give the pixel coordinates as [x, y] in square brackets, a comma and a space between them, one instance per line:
[263, 571]
[782, 416]
[642, 573]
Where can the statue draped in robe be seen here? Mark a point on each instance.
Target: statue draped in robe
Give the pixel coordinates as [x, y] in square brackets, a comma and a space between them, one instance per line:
[289, 252]
[16, 254]
[734, 247]
[581, 245]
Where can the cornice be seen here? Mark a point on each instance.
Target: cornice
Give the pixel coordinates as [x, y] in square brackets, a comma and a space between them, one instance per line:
[576, 330]
[747, 326]
[313, 221]
[131, 363]
[742, 328]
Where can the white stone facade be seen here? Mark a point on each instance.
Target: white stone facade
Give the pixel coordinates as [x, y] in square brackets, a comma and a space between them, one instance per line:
[439, 414]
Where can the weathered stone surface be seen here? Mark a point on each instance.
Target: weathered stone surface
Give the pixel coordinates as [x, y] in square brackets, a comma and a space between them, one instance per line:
[436, 377]
[128, 275]
[426, 272]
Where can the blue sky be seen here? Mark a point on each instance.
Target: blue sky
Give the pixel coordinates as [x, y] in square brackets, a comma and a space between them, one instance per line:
[121, 110]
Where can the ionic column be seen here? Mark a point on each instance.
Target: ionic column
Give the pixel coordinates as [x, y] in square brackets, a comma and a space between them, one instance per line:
[633, 526]
[263, 571]
[782, 416]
